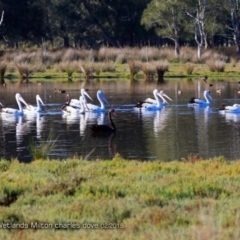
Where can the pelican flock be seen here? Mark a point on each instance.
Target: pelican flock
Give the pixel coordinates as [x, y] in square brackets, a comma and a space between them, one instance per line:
[80, 110]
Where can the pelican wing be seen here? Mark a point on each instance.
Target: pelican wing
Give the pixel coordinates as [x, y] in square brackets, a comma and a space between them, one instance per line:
[199, 101]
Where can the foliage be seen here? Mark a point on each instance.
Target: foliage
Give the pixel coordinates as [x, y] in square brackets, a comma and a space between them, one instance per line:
[189, 68]
[32, 64]
[134, 68]
[216, 65]
[150, 199]
[42, 149]
[56, 24]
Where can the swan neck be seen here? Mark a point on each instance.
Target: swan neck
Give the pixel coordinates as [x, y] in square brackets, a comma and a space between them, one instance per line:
[111, 121]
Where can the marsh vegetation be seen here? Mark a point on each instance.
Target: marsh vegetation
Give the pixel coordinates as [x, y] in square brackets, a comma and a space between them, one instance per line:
[133, 63]
[190, 199]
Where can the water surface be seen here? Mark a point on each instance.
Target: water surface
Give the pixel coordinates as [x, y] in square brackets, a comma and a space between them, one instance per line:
[174, 132]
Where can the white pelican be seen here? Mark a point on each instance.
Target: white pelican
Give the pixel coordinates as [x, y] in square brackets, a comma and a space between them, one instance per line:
[235, 108]
[102, 99]
[76, 102]
[14, 111]
[38, 108]
[67, 108]
[152, 106]
[199, 102]
[151, 100]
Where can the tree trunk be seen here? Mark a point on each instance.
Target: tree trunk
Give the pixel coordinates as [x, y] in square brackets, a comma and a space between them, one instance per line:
[66, 42]
[160, 75]
[177, 49]
[236, 28]
[176, 36]
[199, 51]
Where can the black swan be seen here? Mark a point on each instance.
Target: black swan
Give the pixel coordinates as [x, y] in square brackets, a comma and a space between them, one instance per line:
[99, 129]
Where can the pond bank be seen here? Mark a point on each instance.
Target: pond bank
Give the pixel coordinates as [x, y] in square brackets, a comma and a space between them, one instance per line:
[136, 199]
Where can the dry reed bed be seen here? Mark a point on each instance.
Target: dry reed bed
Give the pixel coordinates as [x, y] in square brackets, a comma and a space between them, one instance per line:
[192, 199]
[94, 62]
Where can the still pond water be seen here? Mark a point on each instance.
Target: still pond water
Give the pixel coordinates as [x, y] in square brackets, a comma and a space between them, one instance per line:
[172, 133]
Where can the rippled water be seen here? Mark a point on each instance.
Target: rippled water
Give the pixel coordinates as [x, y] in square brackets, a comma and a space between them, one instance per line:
[171, 133]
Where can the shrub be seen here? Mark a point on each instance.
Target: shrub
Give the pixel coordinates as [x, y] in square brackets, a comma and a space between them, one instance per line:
[216, 65]
[161, 67]
[134, 68]
[189, 68]
[149, 70]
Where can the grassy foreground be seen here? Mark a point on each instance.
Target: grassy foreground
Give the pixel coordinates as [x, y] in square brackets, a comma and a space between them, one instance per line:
[136, 199]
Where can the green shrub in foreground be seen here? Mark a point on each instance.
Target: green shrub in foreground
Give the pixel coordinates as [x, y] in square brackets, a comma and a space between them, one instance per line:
[151, 199]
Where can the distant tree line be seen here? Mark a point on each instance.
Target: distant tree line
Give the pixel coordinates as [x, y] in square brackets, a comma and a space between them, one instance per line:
[118, 23]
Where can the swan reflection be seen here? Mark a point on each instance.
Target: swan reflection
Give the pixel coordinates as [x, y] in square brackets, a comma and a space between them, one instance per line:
[101, 142]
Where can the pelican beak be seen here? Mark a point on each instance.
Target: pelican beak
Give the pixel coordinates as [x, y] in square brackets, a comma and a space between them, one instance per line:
[106, 100]
[165, 95]
[85, 93]
[23, 101]
[161, 96]
[41, 101]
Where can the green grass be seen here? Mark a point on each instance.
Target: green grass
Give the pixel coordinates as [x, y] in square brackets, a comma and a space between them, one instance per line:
[175, 70]
[42, 149]
[196, 199]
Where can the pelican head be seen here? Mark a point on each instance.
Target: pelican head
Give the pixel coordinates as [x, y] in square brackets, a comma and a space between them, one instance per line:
[84, 92]
[19, 98]
[101, 95]
[207, 95]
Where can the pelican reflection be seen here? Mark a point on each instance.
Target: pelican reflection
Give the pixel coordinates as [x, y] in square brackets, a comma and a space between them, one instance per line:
[160, 120]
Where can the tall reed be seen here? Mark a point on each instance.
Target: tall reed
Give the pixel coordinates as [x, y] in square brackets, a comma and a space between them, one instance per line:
[189, 67]
[149, 70]
[161, 67]
[42, 149]
[24, 70]
[134, 68]
[88, 68]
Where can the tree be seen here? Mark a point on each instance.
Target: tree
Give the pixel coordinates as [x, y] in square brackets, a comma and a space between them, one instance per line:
[233, 11]
[117, 24]
[167, 20]
[197, 13]
[23, 20]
